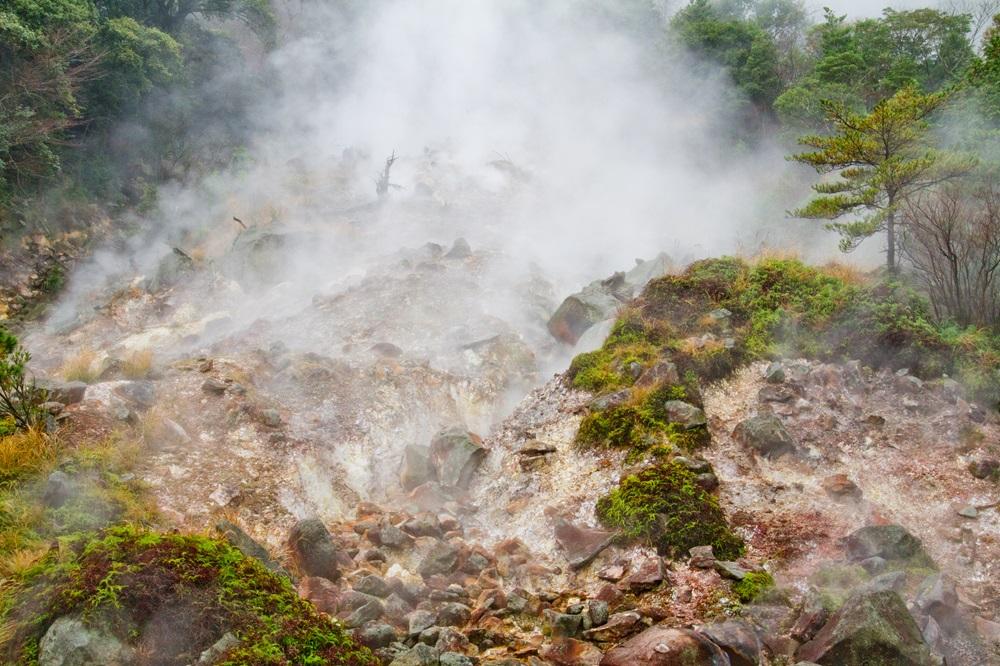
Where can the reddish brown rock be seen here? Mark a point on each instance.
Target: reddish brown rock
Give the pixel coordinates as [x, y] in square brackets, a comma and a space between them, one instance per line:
[581, 544]
[618, 626]
[323, 594]
[839, 486]
[647, 576]
[665, 646]
[613, 573]
[570, 652]
[610, 594]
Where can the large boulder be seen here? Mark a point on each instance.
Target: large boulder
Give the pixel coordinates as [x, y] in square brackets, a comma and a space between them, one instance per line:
[455, 454]
[870, 628]
[666, 646]
[738, 640]
[600, 300]
[70, 642]
[416, 469]
[313, 550]
[765, 434]
[890, 542]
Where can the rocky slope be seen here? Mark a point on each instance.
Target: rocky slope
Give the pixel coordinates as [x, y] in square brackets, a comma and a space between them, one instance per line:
[673, 498]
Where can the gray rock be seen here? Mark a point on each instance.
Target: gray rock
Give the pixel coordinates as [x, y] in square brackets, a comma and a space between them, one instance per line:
[597, 611]
[139, 393]
[985, 468]
[610, 400]
[730, 570]
[968, 512]
[419, 655]
[453, 614]
[459, 250]
[68, 393]
[601, 299]
[890, 542]
[455, 453]
[58, 489]
[662, 373]
[373, 585]
[313, 550]
[70, 642]
[618, 626]
[227, 641]
[684, 414]
[454, 659]
[393, 537]
[271, 418]
[416, 468]
[563, 625]
[243, 542]
[938, 598]
[869, 624]
[214, 386]
[775, 373]
[375, 636]
[420, 620]
[765, 434]
[441, 559]
[369, 612]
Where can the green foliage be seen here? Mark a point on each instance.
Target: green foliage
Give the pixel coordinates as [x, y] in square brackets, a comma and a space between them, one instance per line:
[752, 586]
[641, 424]
[860, 64]
[20, 400]
[740, 46]
[610, 367]
[127, 575]
[881, 159]
[664, 506]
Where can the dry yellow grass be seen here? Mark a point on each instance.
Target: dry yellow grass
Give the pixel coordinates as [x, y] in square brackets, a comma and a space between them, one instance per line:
[81, 367]
[25, 453]
[138, 364]
[19, 561]
[845, 272]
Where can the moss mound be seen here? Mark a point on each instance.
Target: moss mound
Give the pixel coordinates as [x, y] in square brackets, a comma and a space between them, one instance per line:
[664, 506]
[150, 588]
[752, 586]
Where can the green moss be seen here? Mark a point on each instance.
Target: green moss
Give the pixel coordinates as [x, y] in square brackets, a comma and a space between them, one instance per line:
[664, 506]
[630, 342]
[753, 585]
[641, 424]
[129, 576]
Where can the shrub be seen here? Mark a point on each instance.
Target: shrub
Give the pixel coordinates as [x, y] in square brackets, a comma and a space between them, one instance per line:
[20, 399]
[128, 575]
[664, 506]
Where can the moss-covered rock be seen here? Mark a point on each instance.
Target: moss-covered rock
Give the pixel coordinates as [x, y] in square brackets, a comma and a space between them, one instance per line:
[150, 588]
[664, 506]
[753, 585]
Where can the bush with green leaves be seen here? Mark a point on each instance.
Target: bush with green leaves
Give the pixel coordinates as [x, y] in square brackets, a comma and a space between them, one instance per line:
[20, 399]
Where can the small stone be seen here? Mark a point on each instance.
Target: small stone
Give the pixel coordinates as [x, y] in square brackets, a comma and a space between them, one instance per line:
[684, 414]
[702, 557]
[617, 627]
[214, 386]
[563, 625]
[984, 468]
[271, 418]
[372, 585]
[58, 489]
[613, 573]
[376, 636]
[419, 620]
[453, 615]
[774, 373]
[731, 570]
[968, 512]
[647, 576]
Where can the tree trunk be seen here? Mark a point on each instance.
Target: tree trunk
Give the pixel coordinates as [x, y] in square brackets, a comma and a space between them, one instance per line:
[891, 232]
